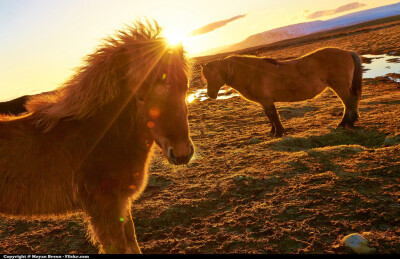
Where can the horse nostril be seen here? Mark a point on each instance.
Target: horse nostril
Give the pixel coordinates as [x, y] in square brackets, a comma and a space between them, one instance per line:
[171, 154]
[181, 159]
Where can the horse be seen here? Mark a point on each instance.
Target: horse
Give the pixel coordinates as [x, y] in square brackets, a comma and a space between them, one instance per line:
[85, 146]
[16, 106]
[266, 81]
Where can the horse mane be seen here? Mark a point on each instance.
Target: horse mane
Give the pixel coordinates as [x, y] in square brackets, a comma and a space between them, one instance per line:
[251, 58]
[271, 60]
[128, 57]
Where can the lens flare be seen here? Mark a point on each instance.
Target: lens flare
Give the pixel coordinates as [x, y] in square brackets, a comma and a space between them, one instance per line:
[154, 113]
[175, 38]
[150, 124]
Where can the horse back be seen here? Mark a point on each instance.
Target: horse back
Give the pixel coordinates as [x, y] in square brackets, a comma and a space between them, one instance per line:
[35, 175]
[307, 76]
[330, 65]
[15, 106]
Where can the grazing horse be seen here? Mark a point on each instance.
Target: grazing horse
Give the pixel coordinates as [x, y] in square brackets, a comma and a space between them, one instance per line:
[265, 80]
[85, 146]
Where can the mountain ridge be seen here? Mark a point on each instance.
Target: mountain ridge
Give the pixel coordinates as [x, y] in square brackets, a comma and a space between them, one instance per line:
[306, 28]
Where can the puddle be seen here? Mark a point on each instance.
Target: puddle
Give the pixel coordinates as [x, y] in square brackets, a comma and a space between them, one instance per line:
[379, 65]
[224, 93]
[394, 79]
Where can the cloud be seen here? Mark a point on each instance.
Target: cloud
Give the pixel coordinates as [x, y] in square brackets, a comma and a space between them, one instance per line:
[340, 9]
[215, 25]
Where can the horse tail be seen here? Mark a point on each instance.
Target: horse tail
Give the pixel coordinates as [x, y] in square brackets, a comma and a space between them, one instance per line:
[356, 85]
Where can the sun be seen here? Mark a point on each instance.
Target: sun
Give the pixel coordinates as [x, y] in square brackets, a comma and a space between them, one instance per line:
[174, 37]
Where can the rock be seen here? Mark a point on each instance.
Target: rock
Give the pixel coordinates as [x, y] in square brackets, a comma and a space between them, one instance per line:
[254, 141]
[391, 140]
[357, 243]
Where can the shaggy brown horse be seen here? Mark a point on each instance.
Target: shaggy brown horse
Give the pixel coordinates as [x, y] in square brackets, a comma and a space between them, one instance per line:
[85, 146]
[266, 81]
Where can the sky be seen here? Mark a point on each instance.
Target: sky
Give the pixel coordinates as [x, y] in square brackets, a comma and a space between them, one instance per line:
[42, 41]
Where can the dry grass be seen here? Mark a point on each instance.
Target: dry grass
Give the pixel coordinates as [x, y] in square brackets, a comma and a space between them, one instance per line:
[245, 192]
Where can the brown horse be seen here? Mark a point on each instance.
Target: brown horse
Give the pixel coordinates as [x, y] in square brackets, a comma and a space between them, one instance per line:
[265, 80]
[16, 106]
[85, 146]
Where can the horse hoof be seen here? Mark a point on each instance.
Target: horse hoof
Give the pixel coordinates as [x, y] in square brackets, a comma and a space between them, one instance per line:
[278, 135]
[341, 125]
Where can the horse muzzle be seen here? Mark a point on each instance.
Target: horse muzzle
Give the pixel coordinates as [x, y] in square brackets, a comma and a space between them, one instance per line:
[179, 158]
[212, 95]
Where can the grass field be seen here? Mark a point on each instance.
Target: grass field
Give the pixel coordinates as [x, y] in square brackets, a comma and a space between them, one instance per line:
[245, 192]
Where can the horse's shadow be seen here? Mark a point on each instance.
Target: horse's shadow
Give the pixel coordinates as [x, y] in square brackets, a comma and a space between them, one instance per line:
[355, 136]
[294, 112]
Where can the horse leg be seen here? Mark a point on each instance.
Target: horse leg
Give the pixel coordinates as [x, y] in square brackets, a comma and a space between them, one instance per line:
[111, 223]
[272, 131]
[130, 235]
[277, 129]
[350, 103]
[351, 111]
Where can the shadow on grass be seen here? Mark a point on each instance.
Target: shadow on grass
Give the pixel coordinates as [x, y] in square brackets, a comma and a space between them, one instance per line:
[185, 221]
[386, 102]
[294, 112]
[356, 136]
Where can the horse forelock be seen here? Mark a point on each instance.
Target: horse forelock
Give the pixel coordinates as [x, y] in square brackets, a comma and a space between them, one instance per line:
[132, 56]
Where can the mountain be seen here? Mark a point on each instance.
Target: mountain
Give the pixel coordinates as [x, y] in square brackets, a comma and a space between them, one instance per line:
[302, 29]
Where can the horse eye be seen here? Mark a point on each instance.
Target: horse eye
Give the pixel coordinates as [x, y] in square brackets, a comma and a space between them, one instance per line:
[141, 98]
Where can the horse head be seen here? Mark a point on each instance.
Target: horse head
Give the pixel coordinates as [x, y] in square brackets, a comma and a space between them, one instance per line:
[211, 73]
[162, 105]
[138, 70]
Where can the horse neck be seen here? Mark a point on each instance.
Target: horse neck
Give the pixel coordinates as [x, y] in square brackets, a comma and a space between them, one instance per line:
[113, 129]
[234, 73]
[229, 72]
[226, 71]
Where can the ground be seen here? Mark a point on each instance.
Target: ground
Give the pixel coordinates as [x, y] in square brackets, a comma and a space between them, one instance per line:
[245, 192]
